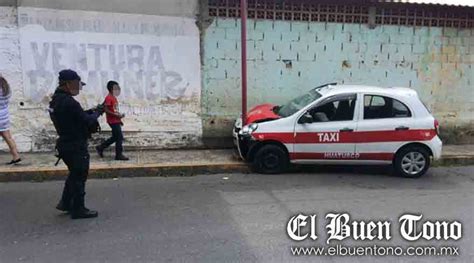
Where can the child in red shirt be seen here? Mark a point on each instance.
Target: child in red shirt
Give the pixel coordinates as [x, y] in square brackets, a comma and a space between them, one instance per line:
[114, 119]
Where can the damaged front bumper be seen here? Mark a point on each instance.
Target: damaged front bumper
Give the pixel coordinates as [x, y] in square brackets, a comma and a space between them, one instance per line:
[242, 142]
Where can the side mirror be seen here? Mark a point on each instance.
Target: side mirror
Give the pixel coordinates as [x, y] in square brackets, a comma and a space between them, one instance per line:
[306, 118]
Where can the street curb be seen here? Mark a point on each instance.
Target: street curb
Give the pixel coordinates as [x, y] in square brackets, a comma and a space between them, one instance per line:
[452, 160]
[104, 171]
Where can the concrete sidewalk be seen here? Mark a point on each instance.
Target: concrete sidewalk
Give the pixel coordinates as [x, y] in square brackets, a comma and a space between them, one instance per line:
[40, 166]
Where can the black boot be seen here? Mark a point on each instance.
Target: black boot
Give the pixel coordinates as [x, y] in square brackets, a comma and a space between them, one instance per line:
[62, 206]
[79, 210]
[83, 213]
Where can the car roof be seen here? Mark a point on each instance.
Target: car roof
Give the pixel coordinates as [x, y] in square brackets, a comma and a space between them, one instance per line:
[341, 89]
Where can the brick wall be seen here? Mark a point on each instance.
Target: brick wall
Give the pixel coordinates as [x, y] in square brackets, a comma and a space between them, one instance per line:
[286, 58]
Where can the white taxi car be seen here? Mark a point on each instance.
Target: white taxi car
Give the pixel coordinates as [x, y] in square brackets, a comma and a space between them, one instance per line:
[342, 124]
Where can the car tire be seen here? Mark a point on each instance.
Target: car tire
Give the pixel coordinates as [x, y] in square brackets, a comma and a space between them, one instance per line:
[412, 162]
[271, 159]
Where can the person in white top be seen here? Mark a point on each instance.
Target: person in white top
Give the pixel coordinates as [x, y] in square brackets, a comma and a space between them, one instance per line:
[5, 94]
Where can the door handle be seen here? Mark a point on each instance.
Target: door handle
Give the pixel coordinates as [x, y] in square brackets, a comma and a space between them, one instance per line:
[346, 130]
[402, 128]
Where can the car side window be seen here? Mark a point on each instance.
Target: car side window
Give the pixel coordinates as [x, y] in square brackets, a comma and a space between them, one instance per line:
[335, 110]
[380, 107]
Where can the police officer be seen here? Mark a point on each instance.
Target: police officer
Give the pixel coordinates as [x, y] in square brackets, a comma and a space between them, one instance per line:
[72, 124]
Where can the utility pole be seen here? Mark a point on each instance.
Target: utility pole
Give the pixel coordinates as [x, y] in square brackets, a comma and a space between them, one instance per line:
[243, 28]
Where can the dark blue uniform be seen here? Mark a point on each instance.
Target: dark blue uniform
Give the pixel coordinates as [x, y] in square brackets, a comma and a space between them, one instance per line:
[72, 125]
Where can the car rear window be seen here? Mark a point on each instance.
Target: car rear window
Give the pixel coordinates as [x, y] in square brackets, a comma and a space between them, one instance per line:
[381, 107]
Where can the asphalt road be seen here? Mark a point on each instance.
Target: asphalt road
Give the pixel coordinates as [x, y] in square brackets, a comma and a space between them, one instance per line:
[228, 218]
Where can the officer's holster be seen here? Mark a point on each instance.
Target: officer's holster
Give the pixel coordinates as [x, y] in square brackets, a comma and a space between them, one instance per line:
[57, 155]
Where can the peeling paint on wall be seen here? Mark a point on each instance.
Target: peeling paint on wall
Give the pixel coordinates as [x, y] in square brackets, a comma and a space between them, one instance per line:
[11, 70]
[154, 58]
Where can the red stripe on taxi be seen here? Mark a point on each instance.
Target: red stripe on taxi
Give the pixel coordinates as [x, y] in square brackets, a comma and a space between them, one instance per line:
[347, 137]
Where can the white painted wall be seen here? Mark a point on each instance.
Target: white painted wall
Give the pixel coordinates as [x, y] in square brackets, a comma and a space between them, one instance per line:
[179, 8]
[154, 58]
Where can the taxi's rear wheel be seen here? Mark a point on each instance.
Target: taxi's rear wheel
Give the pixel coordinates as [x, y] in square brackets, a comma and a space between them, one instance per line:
[412, 161]
[270, 159]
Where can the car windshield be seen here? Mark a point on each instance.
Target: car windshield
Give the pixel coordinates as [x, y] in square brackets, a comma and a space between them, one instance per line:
[297, 104]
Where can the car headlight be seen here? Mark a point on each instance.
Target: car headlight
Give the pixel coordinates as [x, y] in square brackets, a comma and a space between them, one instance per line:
[248, 129]
[238, 123]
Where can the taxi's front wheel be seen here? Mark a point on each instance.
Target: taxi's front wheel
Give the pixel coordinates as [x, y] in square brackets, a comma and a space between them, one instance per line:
[271, 159]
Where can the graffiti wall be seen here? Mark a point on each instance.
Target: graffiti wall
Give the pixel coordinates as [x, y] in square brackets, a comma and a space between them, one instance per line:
[154, 58]
[157, 60]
